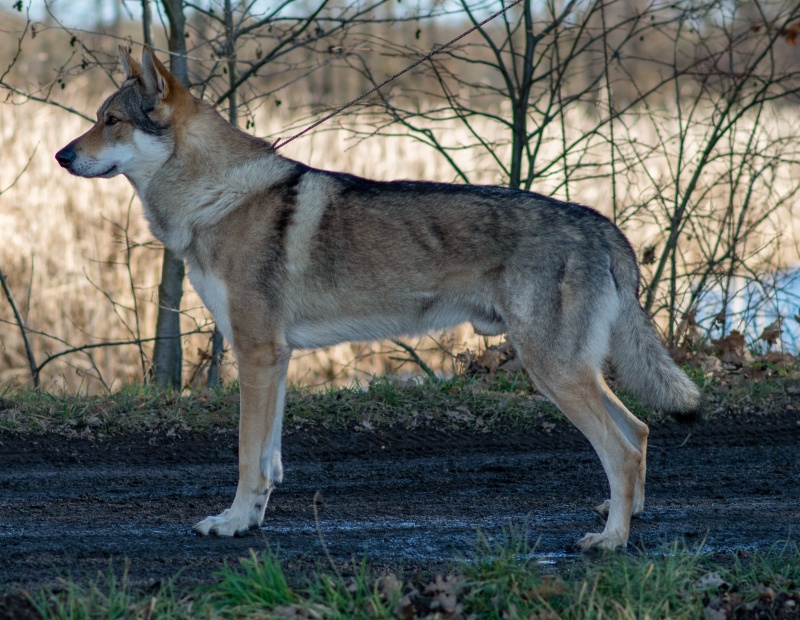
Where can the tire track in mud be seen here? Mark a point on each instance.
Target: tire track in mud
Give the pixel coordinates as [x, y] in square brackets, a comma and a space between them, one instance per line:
[406, 499]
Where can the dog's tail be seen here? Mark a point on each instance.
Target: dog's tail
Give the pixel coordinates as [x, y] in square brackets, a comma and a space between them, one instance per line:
[643, 364]
[645, 367]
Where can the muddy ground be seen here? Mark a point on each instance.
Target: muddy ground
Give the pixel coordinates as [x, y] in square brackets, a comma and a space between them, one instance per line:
[406, 499]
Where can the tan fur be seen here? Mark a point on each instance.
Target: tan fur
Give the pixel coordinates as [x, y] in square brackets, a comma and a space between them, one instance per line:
[289, 257]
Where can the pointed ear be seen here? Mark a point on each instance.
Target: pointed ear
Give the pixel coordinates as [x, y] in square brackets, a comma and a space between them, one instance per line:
[154, 75]
[129, 65]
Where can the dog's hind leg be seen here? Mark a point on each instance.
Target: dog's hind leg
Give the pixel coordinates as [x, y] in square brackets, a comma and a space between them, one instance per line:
[636, 432]
[262, 379]
[577, 389]
[581, 398]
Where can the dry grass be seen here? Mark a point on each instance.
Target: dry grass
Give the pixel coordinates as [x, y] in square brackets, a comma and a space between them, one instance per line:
[64, 252]
[64, 243]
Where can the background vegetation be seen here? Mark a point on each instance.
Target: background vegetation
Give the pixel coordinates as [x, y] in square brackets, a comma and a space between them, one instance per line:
[675, 119]
[500, 579]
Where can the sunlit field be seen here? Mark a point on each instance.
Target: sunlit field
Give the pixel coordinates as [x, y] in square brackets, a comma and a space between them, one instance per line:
[84, 268]
[65, 252]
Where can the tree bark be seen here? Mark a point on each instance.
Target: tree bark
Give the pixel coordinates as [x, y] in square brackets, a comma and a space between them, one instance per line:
[217, 341]
[168, 354]
[147, 21]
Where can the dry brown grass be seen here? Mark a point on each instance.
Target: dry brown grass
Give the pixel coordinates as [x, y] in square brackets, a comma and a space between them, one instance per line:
[64, 252]
[63, 247]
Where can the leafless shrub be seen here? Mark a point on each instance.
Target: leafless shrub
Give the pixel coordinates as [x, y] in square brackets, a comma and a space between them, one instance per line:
[682, 141]
[670, 117]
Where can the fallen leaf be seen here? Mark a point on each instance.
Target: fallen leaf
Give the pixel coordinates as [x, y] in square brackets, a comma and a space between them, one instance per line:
[712, 366]
[711, 580]
[772, 332]
[490, 359]
[513, 365]
[710, 613]
[405, 608]
[648, 255]
[791, 33]
[309, 611]
[731, 348]
[777, 358]
[390, 586]
[445, 591]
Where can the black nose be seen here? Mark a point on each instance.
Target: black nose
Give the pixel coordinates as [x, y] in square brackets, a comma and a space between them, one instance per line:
[66, 156]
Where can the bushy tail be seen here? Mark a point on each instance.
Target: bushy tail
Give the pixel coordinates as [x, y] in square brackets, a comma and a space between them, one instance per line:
[645, 367]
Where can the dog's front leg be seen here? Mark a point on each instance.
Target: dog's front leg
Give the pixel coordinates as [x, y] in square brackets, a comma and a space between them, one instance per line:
[262, 380]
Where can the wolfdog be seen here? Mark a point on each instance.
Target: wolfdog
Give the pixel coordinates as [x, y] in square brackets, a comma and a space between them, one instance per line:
[289, 257]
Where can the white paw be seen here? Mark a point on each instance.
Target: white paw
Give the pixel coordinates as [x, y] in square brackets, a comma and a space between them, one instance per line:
[602, 540]
[228, 523]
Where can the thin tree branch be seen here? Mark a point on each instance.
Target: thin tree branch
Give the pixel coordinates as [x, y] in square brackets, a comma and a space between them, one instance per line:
[416, 358]
[21, 324]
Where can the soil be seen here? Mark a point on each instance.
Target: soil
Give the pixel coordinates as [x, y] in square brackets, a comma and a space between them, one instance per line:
[408, 500]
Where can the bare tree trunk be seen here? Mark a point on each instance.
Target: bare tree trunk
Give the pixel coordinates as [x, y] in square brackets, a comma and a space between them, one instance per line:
[178, 63]
[217, 341]
[168, 355]
[519, 140]
[230, 52]
[147, 21]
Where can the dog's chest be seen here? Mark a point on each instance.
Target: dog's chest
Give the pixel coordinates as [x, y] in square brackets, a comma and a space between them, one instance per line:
[214, 294]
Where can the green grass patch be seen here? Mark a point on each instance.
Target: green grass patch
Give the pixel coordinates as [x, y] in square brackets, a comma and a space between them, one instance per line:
[501, 579]
[477, 403]
[385, 402]
[452, 404]
[109, 596]
[135, 408]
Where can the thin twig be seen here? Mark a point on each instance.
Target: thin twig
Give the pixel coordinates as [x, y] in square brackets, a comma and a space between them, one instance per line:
[21, 172]
[314, 502]
[98, 345]
[396, 75]
[33, 97]
[28, 350]
[416, 358]
[128, 251]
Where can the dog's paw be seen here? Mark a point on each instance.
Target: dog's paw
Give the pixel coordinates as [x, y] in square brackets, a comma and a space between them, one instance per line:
[602, 540]
[226, 524]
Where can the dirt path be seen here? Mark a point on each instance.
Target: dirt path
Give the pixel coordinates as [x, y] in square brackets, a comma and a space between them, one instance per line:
[409, 499]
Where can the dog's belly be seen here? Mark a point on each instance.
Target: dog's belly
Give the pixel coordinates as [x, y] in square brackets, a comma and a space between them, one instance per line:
[309, 334]
[313, 334]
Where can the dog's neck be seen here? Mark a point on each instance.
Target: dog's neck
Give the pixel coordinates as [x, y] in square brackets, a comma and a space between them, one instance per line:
[211, 167]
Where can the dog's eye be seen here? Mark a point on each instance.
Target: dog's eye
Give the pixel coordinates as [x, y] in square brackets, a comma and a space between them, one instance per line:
[112, 120]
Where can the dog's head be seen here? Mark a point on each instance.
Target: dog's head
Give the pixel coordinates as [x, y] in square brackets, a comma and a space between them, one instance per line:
[134, 132]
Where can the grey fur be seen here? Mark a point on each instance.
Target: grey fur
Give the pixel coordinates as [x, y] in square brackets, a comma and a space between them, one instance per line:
[646, 368]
